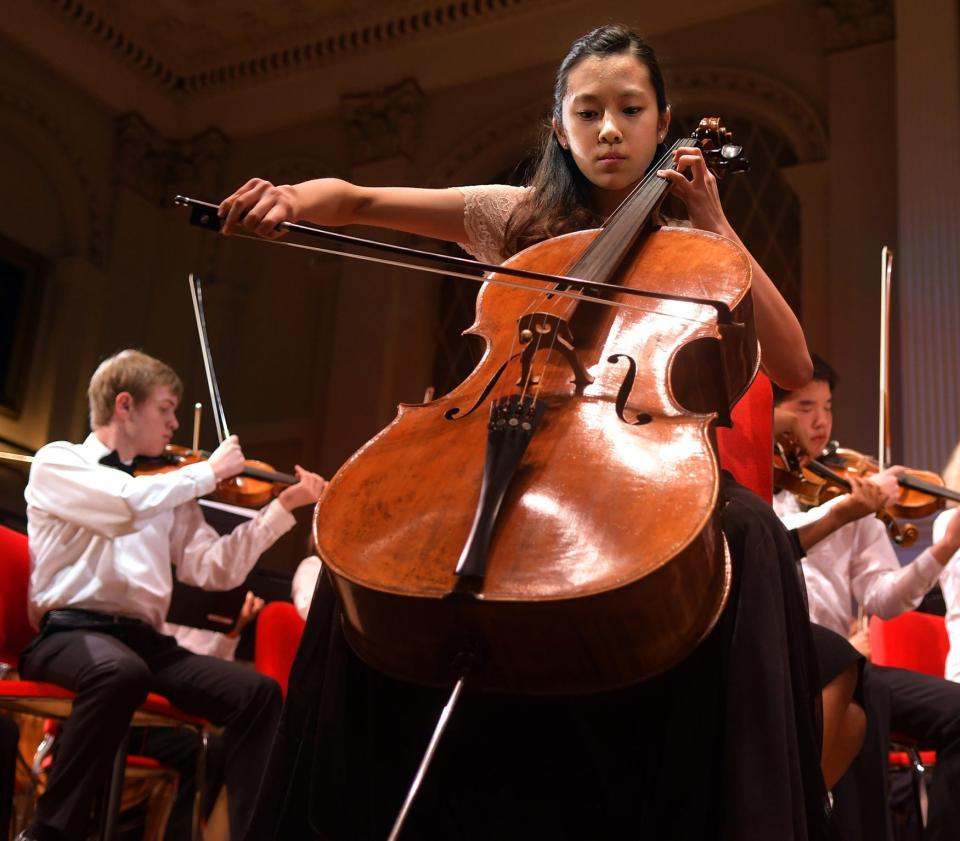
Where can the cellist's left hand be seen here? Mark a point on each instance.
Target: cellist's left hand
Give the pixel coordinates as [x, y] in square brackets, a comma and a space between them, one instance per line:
[696, 186]
[306, 492]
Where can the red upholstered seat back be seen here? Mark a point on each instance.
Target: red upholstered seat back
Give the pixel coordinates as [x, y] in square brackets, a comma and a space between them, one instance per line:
[15, 628]
[279, 628]
[915, 641]
[746, 448]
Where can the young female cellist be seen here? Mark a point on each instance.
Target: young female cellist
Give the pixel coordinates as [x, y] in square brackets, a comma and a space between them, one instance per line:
[725, 745]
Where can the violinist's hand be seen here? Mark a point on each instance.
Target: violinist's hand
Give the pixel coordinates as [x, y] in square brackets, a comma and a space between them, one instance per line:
[306, 492]
[887, 480]
[787, 430]
[948, 545]
[859, 637]
[867, 497]
[258, 207]
[252, 605]
[227, 460]
[698, 192]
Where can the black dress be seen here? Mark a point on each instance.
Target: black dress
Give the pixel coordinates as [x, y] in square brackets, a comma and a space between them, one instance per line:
[724, 746]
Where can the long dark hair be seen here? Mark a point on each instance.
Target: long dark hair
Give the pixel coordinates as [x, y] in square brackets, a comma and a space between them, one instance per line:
[560, 199]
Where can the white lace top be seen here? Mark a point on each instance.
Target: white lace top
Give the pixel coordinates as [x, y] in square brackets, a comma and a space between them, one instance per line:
[486, 210]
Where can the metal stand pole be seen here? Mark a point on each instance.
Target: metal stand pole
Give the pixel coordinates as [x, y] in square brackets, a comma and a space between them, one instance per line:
[427, 758]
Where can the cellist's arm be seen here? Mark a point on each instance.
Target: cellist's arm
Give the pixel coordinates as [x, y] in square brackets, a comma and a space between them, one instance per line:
[259, 206]
[783, 348]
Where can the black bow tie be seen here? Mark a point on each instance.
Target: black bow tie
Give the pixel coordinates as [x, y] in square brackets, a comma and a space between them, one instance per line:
[112, 459]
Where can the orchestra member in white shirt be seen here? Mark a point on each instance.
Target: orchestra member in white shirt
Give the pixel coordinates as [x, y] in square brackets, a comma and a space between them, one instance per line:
[950, 577]
[102, 542]
[850, 558]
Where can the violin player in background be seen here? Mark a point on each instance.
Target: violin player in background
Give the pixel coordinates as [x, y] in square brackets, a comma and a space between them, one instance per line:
[725, 745]
[849, 557]
[950, 577]
[102, 542]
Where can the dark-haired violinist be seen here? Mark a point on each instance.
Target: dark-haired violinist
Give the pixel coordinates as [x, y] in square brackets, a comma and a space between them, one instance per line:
[849, 558]
[950, 577]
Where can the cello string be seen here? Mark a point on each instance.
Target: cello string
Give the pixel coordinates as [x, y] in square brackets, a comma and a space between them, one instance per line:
[666, 161]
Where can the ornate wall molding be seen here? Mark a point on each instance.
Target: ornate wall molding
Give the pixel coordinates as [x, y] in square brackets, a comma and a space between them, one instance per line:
[855, 23]
[327, 44]
[157, 168]
[492, 147]
[383, 123]
[84, 206]
[719, 89]
[293, 169]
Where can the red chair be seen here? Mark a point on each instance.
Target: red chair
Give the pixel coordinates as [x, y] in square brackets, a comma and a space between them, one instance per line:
[50, 701]
[279, 629]
[918, 642]
[915, 641]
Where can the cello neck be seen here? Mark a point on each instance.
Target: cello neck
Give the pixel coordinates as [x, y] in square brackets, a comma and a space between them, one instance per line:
[607, 252]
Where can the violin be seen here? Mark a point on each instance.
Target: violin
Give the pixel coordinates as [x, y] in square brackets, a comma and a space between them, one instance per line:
[253, 488]
[921, 492]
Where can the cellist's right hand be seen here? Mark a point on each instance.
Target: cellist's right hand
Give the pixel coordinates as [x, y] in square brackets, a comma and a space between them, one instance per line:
[258, 207]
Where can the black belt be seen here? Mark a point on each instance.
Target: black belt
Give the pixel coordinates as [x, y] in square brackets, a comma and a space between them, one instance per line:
[73, 617]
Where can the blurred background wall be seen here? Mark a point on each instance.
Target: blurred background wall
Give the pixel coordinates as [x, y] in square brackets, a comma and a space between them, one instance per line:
[850, 112]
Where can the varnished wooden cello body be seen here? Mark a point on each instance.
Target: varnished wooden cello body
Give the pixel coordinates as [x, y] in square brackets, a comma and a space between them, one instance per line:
[552, 522]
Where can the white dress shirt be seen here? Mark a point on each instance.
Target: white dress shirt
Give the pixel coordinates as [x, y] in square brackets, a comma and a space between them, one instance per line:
[950, 584]
[304, 583]
[103, 540]
[856, 563]
[203, 641]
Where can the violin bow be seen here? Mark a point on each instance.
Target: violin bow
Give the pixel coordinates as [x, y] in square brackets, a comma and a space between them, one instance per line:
[205, 215]
[886, 272]
[219, 416]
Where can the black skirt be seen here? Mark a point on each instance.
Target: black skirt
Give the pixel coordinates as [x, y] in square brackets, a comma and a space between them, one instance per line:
[834, 655]
[724, 746]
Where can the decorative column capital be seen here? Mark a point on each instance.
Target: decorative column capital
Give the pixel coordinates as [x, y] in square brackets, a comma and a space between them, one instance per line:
[157, 168]
[854, 23]
[384, 123]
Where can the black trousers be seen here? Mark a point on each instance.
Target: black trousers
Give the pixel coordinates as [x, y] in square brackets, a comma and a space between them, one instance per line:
[112, 667]
[9, 736]
[925, 709]
[176, 748]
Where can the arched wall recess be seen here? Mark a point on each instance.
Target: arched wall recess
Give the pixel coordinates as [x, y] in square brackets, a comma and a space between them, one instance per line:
[80, 204]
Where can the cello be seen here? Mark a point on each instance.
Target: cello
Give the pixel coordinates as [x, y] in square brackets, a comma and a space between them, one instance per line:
[551, 523]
